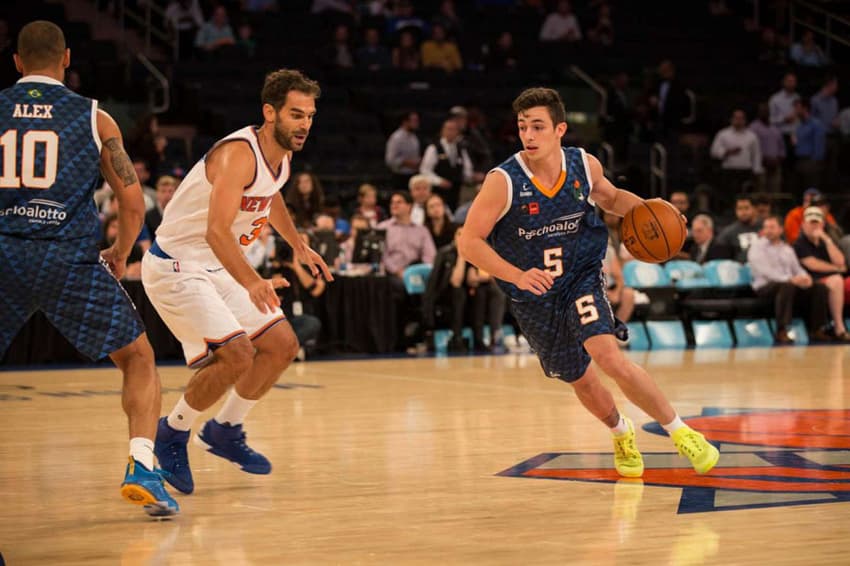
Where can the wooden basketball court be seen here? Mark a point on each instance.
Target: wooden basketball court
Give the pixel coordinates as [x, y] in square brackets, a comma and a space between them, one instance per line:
[450, 460]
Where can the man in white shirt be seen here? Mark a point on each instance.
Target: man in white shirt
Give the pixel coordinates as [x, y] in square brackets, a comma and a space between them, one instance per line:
[783, 115]
[402, 153]
[777, 274]
[738, 149]
[561, 25]
[447, 164]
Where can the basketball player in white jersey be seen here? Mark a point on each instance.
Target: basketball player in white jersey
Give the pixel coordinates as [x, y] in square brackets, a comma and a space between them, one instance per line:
[225, 315]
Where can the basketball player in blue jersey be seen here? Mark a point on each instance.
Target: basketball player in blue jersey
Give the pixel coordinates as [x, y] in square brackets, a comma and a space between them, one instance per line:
[533, 227]
[55, 146]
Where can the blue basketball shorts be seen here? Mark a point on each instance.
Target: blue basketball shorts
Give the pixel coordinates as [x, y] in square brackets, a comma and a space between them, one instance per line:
[556, 327]
[68, 283]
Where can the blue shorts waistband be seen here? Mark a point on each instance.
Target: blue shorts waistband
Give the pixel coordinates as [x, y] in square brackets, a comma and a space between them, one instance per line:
[157, 251]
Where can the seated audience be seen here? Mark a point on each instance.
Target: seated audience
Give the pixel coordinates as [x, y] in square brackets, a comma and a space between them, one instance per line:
[407, 243]
[740, 234]
[107, 238]
[778, 275]
[367, 204]
[703, 246]
[438, 222]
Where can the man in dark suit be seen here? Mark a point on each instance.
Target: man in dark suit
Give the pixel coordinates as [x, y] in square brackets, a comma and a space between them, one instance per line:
[670, 100]
[617, 121]
[702, 246]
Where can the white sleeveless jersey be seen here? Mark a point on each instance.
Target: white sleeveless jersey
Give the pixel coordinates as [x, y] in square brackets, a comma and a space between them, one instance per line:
[182, 233]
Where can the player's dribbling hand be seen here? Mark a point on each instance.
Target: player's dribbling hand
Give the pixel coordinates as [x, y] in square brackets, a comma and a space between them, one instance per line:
[117, 264]
[535, 280]
[263, 295]
[314, 261]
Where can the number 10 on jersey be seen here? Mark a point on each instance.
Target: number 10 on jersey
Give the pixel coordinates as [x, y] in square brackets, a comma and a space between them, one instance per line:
[30, 142]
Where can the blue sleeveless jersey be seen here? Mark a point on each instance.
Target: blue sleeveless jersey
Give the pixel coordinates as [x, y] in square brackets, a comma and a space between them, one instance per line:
[561, 234]
[50, 162]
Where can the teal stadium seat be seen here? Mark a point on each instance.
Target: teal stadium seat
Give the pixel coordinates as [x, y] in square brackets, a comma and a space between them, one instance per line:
[641, 275]
[415, 278]
[686, 274]
[752, 332]
[798, 332]
[727, 273]
[638, 336]
[712, 334]
[666, 335]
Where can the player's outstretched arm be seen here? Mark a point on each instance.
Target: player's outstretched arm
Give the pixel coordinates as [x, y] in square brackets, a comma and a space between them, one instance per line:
[118, 171]
[282, 222]
[231, 168]
[485, 211]
[606, 195]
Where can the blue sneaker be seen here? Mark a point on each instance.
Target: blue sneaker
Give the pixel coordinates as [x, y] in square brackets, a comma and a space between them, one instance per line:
[228, 441]
[144, 487]
[170, 450]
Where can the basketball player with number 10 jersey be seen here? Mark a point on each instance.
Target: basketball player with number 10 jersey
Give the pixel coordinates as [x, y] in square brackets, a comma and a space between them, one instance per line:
[227, 318]
[534, 226]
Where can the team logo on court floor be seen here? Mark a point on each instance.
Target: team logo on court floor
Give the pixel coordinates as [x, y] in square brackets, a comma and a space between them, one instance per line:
[768, 458]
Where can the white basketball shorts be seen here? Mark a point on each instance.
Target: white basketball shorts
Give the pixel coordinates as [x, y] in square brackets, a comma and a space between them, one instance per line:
[205, 309]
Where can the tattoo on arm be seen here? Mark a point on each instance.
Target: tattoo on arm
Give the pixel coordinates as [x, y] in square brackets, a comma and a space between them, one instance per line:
[121, 162]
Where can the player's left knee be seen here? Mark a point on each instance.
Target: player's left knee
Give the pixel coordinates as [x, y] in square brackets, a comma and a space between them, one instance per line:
[284, 352]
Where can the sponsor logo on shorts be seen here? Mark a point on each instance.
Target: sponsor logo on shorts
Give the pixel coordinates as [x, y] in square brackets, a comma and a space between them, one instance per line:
[38, 211]
[568, 224]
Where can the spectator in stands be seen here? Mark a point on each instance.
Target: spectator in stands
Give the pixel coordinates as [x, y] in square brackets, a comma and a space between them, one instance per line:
[331, 206]
[447, 17]
[825, 263]
[825, 109]
[778, 275]
[404, 19]
[406, 55]
[246, 43]
[739, 235]
[358, 223]
[367, 204]
[338, 54]
[670, 102]
[403, 154]
[738, 150]
[783, 115]
[705, 247]
[502, 55]
[144, 176]
[682, 202]
[772, 49]
[184, 18]
[259, 6]
[373, 56]
[306, 198]
[108, 235]
[142, 144]
[420, 190]
[447, 163]
[407, 243]
[561, 25]
[617, 120]
[452, 285]
[809, 147]
[215, 33]
[472, 139]
[602, 32]
[622, 298]
[794, 218]
[441, 52]
[772, 148]
[763, 206]
[438, 221]
[807, 53]
[260, 252]
[165, 187]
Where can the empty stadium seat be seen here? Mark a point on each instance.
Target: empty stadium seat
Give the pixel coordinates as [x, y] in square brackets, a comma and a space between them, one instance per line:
[415, 278]
[686, 274]
[666, 335]
[752, 332]
[712, 334]
[727, 273]
[798, 332]
[643, 275]
[638, 336]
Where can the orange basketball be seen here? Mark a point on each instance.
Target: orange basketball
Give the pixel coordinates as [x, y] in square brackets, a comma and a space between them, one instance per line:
[653, 231]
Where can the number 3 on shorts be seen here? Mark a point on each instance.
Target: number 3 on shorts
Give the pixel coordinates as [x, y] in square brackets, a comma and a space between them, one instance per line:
[586, 308]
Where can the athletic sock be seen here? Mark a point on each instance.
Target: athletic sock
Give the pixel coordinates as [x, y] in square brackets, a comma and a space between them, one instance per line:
[141, 450]
[674, 425]
[235, 409]
[183, 416]
[622, 427]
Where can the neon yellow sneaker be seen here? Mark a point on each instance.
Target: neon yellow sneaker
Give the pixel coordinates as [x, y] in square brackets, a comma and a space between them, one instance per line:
[691, 444]
[627, 458]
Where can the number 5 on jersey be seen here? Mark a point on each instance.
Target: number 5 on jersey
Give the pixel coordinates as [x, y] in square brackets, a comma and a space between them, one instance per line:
[553, 259]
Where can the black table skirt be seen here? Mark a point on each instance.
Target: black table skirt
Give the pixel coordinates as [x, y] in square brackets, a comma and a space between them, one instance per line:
[358, 315]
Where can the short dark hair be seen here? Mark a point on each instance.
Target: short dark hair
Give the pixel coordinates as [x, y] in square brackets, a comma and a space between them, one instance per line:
[760, 198]
[408, 198]
[540, 96]
[41, 44]
[279, 83]
[747, 198]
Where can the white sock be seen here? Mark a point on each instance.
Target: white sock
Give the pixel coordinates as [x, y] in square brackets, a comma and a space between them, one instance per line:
[183, 416]
[674, 425]
[141, 450]
[235, 409]
[622, 427]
